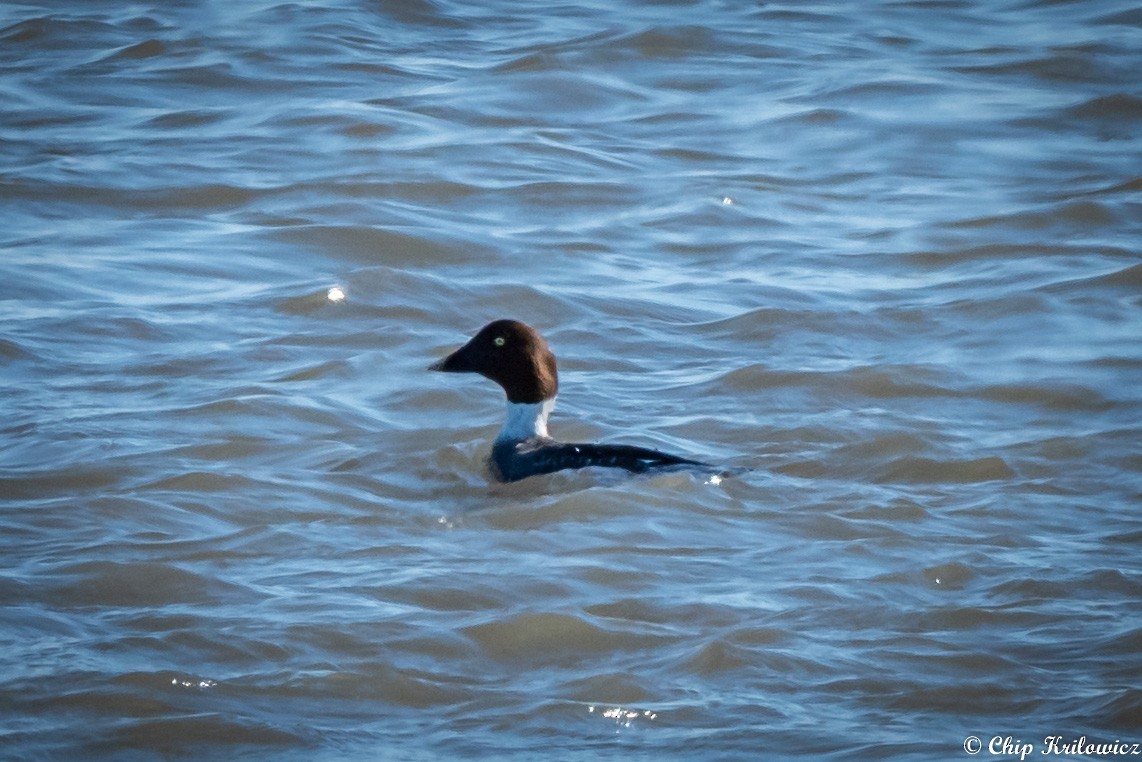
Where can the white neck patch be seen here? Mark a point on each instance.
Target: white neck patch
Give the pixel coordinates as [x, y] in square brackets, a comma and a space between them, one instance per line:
[526, 420]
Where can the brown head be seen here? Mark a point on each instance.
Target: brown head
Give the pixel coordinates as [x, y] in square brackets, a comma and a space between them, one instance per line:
[512, 354]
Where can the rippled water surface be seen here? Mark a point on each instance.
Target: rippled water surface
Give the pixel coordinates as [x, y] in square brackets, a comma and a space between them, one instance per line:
[882, 258]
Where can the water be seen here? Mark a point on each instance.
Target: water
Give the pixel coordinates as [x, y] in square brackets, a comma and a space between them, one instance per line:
[885, 256]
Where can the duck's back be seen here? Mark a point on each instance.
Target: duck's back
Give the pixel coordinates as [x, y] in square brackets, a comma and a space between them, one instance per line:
[515, 460]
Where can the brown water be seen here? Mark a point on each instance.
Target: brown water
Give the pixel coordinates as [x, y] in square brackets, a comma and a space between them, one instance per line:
[882, 256]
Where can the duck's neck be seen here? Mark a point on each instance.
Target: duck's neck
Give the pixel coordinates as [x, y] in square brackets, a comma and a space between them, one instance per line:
[526, 420]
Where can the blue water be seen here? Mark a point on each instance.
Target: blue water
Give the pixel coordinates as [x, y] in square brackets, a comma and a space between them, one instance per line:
[880, 259]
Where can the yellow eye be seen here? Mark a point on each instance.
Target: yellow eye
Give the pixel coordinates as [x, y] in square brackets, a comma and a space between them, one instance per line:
[499, 341]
